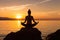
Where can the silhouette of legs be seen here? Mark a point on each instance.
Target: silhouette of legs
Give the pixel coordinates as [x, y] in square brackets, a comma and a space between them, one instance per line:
[29, 25]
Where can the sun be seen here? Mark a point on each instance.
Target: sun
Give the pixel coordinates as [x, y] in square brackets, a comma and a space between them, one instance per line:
[18, 16]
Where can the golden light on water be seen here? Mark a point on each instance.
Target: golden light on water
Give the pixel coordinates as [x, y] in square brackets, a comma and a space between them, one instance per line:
[19, 24]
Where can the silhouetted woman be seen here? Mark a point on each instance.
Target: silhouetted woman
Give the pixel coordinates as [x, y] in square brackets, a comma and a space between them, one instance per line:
[28, 20]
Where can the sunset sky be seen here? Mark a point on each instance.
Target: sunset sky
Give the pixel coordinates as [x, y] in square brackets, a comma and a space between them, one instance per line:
[40, 8]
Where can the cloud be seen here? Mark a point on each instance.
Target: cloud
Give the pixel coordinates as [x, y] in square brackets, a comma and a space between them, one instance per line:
[17, 2]
[40, 2]
[45, 1]
[21, 2]
[20, 7]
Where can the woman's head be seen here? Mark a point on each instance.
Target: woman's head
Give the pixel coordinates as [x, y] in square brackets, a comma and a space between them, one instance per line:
[29, 12]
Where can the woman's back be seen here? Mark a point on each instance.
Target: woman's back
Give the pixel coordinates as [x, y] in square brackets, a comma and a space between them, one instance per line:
[29, 19]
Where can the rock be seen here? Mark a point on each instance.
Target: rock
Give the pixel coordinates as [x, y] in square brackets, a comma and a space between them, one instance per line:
[25, 34]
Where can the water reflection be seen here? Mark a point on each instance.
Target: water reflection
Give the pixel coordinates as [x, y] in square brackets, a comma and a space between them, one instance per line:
[10, 26]
[44, 26]
[19, 24]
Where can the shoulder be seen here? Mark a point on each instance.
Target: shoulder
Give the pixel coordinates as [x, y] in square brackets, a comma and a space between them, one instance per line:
[32, 16]
[26, 16]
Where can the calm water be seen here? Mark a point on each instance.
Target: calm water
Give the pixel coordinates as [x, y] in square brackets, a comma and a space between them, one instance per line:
[46, 27]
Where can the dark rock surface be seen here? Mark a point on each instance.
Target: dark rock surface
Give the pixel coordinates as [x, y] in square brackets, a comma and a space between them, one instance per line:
[54, 36]
[25, 34]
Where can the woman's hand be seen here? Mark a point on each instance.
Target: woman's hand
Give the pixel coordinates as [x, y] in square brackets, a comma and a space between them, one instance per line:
[36, 22]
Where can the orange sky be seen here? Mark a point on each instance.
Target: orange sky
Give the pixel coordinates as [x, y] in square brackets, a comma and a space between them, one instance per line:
[40, 9]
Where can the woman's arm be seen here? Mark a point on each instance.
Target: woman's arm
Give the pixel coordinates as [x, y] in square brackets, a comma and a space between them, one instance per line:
[25, 20]
[34, 20]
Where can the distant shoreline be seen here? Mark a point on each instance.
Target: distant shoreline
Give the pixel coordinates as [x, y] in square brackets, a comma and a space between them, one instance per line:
[35, 19]
[6, 18]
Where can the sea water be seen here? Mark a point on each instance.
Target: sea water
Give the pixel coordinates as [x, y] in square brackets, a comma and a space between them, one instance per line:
[45, 26]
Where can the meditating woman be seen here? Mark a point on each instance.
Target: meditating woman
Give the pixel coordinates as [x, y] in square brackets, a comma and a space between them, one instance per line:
[28, 20]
